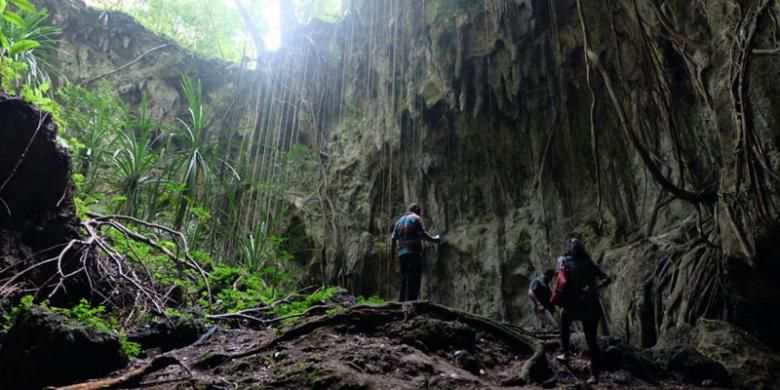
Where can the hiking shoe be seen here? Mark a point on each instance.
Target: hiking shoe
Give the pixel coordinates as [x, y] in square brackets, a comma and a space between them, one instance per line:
[592, 380]
[564, 357]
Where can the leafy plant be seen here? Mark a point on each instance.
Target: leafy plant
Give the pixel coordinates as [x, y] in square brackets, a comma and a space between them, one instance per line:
[135, 159]
[25, 42]
[196, 169]
[94, 119]
[372, 300]
[27, 302]
[299, 306]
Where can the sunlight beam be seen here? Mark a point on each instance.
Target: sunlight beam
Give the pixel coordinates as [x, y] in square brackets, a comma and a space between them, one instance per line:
[272, 14]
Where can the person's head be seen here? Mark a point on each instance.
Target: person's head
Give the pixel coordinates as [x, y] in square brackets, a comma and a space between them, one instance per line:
[414, 208]
[574, 248]
[549, 275]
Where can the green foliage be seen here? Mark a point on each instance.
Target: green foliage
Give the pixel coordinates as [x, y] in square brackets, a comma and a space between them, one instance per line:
[27, 302]
[135, 158]
[38, 96]
[130, 349]
[97, 318]
[196, 177]
[298, 306]
[210, 28]
[237, 289]
[86, 314]
[94, 120]
[326, 10]
[25, 45]
[372, 300]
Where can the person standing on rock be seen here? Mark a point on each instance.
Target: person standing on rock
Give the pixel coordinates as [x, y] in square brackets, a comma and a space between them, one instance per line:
[540, 293]
[409, 232]
[576, 292]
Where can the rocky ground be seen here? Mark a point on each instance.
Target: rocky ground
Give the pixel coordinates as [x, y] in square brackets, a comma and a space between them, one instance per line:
[395, 346]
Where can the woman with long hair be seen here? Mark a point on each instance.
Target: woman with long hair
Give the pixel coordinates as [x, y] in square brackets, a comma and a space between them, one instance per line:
[577, 294]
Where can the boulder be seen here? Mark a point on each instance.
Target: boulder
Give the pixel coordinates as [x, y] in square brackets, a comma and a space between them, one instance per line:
[44, 349]
[750, 362]
[167, 334]
[691, 367]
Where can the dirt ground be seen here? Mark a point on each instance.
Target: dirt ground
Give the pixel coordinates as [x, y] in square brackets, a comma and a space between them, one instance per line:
[402, 347]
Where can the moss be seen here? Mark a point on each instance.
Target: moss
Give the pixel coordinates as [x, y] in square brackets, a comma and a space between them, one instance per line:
[432, 93]
[523, 243]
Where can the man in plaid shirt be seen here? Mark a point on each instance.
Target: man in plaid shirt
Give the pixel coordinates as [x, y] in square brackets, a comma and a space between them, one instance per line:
[408, 232]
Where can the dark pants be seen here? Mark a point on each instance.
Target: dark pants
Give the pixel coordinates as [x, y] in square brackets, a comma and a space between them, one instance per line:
[590, 328]
[411, 274]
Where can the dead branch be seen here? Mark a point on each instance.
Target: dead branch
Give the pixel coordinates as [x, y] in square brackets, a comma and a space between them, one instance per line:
[190, 262]
[128, 378]
[242, 315]
[119, 69]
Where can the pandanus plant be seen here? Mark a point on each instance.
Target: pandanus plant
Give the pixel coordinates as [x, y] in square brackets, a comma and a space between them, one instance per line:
[136, 158]
[194, 145]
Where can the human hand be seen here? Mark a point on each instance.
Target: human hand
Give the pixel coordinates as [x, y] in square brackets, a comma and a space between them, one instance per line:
[436, 238]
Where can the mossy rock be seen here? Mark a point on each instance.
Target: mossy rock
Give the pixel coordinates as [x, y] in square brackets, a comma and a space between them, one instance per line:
[45, 349]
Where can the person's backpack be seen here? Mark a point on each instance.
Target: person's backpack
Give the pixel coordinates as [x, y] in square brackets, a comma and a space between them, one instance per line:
[561, 295]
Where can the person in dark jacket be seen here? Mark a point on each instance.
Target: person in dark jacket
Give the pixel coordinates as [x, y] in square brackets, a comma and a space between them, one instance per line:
[579, 299]
[409, 232]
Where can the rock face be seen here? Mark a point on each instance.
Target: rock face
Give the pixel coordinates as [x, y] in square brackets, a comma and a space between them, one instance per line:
[37, 215]
[489, 116]
[43, 349]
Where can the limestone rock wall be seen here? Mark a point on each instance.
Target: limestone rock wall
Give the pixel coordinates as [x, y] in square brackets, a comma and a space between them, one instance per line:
[482, 113]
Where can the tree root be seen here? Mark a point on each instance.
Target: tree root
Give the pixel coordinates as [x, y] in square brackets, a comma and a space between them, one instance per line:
[128, 378]
[535, 368]
[242, 315]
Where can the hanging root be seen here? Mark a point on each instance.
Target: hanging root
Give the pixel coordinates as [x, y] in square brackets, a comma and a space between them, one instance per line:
[692, 282]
